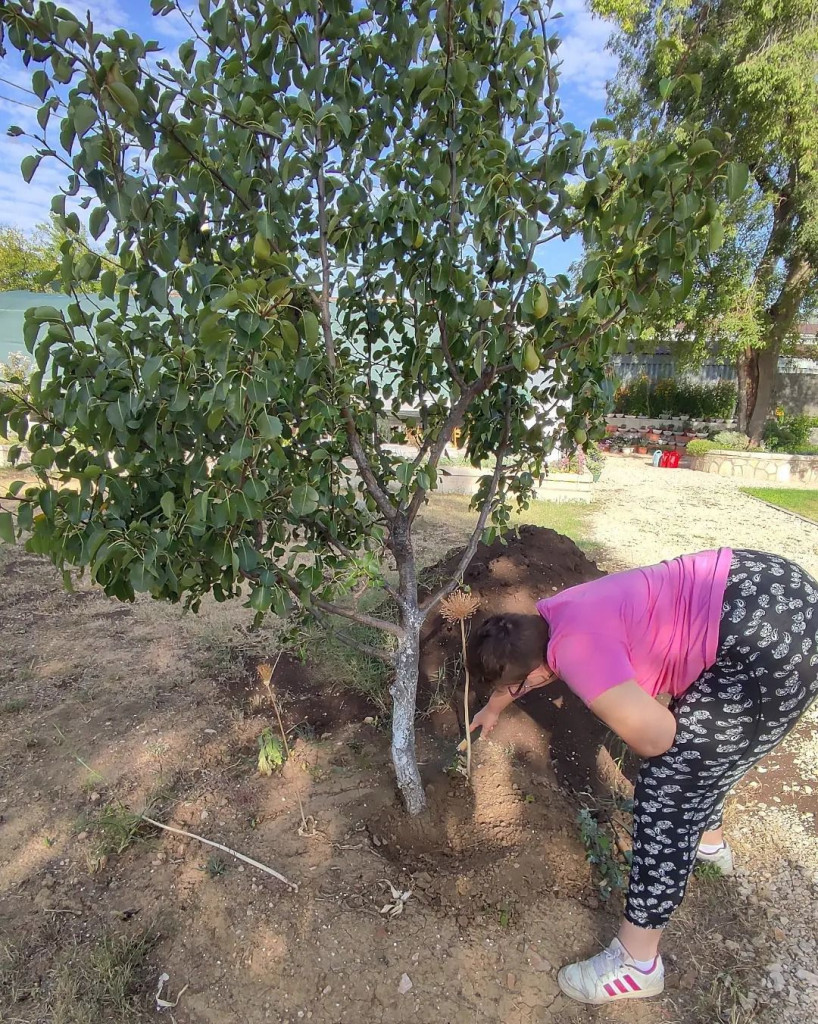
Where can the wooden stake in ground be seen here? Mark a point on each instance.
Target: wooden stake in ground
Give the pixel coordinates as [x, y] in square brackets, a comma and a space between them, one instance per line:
[458, 607]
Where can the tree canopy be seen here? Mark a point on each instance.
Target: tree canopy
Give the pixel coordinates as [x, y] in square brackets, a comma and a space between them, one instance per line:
[322, 219]
[752, 72]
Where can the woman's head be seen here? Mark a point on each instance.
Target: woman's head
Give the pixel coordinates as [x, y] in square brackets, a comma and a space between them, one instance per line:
[504, 650]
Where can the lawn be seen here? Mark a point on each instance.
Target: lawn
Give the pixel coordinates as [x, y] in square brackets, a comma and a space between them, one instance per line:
[805, 503]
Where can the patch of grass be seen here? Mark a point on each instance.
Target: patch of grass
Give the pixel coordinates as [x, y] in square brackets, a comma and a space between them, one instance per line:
[13, 706]
[16, 981]
[105, 982]
[216, 866]
[447, 521]
[805, 503]
[725, 1002]
[344, 666]
[113, 829]
[706, 872]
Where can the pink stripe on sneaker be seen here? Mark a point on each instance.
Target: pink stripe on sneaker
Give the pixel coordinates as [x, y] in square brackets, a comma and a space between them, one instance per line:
[610, 989]
[632, 983]
[619, 984]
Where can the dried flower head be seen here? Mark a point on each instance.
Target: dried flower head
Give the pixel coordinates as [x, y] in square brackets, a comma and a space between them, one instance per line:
[459, 606]
[265, 672]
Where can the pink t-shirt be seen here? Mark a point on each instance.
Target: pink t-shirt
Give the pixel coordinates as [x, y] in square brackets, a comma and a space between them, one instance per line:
[658, 625]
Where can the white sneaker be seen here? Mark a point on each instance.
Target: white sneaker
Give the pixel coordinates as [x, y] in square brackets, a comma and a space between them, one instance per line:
[610, 975]
[721, 859]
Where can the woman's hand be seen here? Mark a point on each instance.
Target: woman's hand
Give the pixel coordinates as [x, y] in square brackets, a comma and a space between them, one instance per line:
[485, 719]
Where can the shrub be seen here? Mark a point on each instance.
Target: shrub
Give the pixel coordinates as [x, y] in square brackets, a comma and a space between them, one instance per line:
[665, 396]
[733, 440]
[676, 397]
[785, 433]
[701, 447]
[719, 400]
[633, 398]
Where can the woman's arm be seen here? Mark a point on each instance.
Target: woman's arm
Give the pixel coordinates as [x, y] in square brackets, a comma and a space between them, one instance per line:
[643, 723]
[486, 719]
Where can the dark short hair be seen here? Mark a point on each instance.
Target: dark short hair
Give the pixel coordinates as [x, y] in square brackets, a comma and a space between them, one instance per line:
[505, 649]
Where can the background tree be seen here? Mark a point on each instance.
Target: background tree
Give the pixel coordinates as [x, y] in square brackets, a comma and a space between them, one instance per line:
[23, 261]
[348, 205]
[754, 76]
[31, 261]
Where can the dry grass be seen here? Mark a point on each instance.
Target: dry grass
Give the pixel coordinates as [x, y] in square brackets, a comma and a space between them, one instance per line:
[105, 982]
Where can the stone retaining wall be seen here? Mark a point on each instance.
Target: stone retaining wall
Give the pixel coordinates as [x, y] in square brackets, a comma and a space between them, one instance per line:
[759, 467]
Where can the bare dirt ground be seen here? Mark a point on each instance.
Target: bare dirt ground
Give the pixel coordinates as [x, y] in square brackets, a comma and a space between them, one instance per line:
[106, 710]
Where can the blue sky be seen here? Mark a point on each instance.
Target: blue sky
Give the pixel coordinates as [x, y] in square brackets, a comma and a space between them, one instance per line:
[586, 66]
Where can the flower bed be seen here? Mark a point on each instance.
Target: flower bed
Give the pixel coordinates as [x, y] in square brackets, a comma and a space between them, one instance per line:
[758, 467]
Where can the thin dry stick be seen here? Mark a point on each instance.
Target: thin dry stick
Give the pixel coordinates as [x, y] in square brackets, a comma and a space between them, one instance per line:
[225, 849]
[458, 607]
[266, 673]
[466, 698]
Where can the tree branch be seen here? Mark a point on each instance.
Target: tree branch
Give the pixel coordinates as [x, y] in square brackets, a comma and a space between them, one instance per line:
[477, 533]
[345, 613]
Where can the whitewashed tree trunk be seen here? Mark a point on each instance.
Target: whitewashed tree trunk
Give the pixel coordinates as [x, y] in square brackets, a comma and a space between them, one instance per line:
[404, 697]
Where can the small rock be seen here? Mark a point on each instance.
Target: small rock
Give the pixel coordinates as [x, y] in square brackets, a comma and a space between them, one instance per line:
[539, 963]
[49, 881]
[809, 977]
[779, 934]
[777, 981]
[404, 985]
[327, 990]
[82, 836]
[204, 816]
[511, 980]
[688, 980]
[95, 798]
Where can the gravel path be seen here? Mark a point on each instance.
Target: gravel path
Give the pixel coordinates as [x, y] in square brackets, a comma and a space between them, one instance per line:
[643, 515]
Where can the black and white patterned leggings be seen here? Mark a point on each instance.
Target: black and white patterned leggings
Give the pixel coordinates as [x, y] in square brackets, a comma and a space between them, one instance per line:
[764, 678]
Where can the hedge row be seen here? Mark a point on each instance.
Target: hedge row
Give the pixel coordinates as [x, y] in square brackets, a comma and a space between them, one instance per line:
[676, 397]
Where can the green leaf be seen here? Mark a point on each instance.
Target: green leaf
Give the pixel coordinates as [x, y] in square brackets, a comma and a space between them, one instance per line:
[98, 221]
[737, 177]
[168, 503]
[309, 323]
[124, 97]
[40, 84]
[603, 124]
[7, 527]
[695, 84]
[84, 116]
[269, 427]
[715, 235]
[304, 500]
[29, 166]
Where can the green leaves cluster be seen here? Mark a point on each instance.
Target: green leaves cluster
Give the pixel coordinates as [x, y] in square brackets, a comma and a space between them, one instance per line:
[319, 217]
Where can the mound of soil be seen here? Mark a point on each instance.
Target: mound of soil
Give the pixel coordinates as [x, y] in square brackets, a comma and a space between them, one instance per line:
[550, 728]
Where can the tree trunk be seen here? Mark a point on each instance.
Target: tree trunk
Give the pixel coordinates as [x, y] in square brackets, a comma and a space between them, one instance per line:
[747, 372]
[404, 698]
[767, 363]
[757, 370]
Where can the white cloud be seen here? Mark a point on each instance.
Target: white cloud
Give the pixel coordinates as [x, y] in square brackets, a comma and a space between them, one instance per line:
[107, 15]
[586, 63]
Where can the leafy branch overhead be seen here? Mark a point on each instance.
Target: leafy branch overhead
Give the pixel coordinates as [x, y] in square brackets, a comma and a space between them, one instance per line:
[322, 226]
